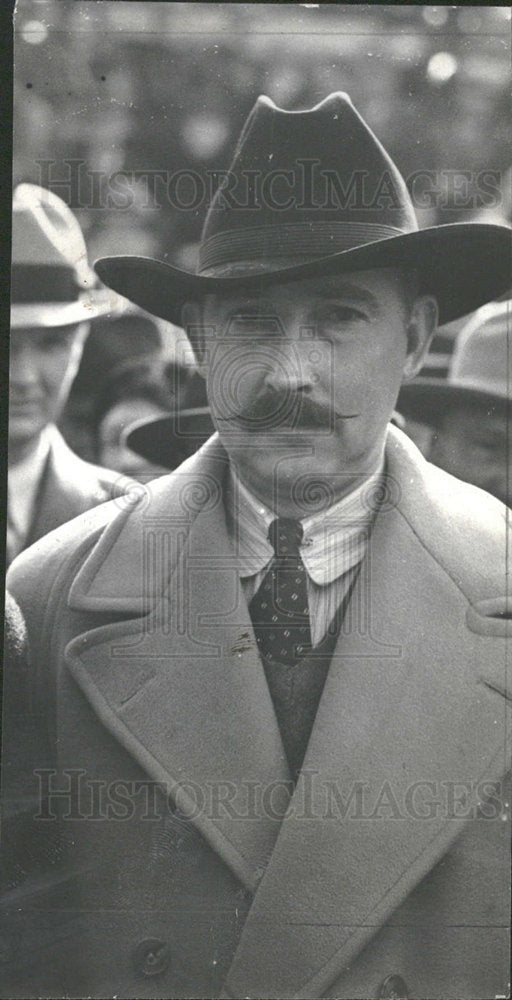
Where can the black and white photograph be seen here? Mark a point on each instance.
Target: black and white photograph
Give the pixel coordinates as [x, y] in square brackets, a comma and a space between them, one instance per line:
[256, 719]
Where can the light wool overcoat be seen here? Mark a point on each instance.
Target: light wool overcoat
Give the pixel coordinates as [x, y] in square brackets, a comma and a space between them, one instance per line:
[185, 864]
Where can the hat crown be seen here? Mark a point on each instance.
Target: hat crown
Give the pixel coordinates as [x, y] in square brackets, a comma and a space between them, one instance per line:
[312, 193]
[482, 358]
[51, 282]
[46, 233]
[303, 184]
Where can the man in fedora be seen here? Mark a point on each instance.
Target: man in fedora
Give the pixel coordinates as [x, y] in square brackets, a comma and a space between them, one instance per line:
[469, 411]
[53, 300]
[277, 709]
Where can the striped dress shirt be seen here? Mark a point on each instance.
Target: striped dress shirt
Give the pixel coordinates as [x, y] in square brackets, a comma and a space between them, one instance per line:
[333, 547]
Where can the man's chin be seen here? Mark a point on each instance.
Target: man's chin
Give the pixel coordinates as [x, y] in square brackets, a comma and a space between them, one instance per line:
[23, 429]
[272, 464]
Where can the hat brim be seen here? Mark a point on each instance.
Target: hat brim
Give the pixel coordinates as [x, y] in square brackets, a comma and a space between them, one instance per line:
[463, 264]
[168, 441]
[55, 314]
[428, 400]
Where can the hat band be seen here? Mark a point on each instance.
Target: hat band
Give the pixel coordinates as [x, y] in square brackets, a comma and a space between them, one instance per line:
[293, 239]
[31, 283]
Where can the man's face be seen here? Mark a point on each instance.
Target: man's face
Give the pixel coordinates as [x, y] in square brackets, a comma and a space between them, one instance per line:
[302, 379]
[43, 363]
[473, 444]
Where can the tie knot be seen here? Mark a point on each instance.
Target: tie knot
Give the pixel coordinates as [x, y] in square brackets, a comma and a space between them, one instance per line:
[285, 535]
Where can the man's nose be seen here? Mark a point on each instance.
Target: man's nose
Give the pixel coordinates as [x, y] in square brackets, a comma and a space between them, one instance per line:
[293, 364]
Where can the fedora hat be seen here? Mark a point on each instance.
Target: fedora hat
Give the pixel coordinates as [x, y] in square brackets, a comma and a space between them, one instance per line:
[480, 372]
[313, 193]
[168, 441]
[51, 282]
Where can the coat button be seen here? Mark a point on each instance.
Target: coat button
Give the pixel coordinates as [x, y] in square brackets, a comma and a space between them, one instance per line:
[393, 988]
[151, 957]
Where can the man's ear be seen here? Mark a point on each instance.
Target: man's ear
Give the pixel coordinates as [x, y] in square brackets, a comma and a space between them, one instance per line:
[420, 330]
[192, 323]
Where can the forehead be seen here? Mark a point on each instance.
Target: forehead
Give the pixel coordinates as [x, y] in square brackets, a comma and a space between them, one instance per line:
[383, 286]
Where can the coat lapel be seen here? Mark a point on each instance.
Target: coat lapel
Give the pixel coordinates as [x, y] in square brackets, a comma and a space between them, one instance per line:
[411, 714]
[52, 507]
[182, 687]
[64, 492]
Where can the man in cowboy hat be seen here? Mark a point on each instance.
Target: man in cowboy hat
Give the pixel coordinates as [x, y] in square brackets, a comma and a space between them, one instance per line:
[53, 299]
[277, 730]
[468, 412]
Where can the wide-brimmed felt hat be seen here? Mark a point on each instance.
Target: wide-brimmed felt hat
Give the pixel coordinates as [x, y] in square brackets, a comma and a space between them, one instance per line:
[168, 441]
[314, 193]
[52, 284]
[480, 372]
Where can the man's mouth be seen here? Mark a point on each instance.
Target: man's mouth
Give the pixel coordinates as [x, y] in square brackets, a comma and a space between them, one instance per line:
[268, 425]
[303, 416]
[26, 403]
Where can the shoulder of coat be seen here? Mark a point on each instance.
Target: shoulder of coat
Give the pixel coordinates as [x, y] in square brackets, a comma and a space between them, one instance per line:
[465, 529]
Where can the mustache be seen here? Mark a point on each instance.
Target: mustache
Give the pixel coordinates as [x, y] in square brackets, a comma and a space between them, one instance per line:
[291, 412]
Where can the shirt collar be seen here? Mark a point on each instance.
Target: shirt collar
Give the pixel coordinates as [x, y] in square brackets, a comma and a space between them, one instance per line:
[334, 539]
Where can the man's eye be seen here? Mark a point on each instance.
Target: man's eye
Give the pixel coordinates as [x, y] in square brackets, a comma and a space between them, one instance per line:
[252, 326]
[337, 315]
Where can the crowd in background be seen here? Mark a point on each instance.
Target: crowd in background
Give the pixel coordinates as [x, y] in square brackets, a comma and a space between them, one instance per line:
[134, 367]
[108, 96]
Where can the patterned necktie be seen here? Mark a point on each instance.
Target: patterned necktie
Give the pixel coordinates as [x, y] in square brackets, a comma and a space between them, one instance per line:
[279, 609]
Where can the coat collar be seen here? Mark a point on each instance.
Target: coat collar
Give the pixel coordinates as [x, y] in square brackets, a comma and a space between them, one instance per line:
[441, 512]
[114, 576]
[191, 658]
[68, 487]
[411, 704]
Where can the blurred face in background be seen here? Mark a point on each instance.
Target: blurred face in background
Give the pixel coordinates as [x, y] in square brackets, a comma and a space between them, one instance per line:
[43, 364]
[476, 446]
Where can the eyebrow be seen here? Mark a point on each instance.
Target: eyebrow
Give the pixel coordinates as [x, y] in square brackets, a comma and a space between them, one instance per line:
[340, 289]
